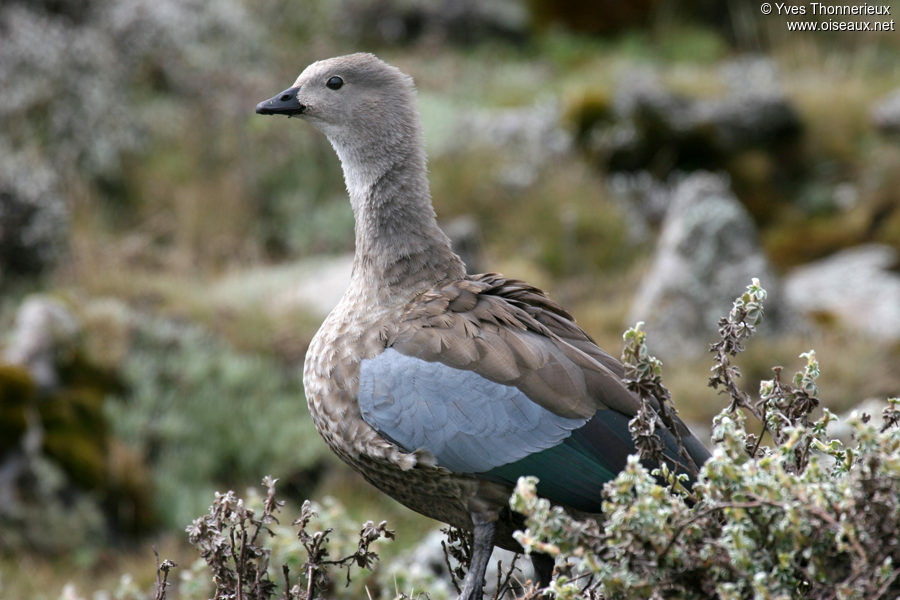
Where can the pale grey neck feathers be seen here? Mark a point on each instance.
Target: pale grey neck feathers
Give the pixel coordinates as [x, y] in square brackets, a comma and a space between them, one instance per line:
[400, 250]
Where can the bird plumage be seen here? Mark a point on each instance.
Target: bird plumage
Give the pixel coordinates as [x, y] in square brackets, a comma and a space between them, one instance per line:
[441, 388]
[474, 376]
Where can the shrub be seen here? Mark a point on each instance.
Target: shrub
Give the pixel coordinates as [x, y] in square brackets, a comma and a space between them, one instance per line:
[800, 516]
[192, 403]
[231, 539]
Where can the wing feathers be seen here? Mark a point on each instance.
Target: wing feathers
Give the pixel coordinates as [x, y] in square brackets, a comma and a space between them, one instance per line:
[469, 423]
[467, 325]
[492, 377]
[496, 361]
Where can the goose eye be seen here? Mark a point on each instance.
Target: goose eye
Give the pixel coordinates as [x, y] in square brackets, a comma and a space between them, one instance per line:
[334, 83]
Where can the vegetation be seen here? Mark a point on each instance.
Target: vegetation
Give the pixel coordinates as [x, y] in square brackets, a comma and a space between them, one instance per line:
[228, 539]
[183, 385]
[783, 512]
[138, 190]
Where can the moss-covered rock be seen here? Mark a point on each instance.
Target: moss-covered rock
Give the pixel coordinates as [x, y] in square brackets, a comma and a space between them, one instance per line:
[55, 441]
[587, 110]
[708, 248]
[17, 394]
[654, 129]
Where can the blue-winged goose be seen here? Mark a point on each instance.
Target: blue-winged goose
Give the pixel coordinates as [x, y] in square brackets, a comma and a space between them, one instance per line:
[443, 388]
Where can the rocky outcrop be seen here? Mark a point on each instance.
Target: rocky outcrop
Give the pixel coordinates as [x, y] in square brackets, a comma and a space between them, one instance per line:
[318, 287]
[314, 286]
[886, 114]
[857, 286]
[707, 253]
[872, 407]
[43, 326]
[650, 128]
[65, 483]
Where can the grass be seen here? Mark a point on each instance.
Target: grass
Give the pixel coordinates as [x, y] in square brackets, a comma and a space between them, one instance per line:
[243, 320]
[34, 577]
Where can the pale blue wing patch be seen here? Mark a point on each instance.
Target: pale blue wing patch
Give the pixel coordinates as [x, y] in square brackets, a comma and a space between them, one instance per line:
[469, 423]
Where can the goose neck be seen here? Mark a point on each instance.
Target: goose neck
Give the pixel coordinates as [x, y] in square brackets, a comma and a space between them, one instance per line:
[400, 250]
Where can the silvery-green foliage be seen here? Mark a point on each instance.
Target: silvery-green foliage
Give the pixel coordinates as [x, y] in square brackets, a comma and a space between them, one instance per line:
[191, 395]
[801, 517]
[758, 529]
[76, 78]
[86, 84]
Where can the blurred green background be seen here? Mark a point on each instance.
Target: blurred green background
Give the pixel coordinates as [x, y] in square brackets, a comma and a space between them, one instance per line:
[166, 254]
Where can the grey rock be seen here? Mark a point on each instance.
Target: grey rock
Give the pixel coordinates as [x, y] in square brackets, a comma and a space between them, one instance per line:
[873, 407]
[319, 285]
[315, 285]
[43, 328]
[707, 253]
[752, 75]
[39, 507]
[312, 286]
[857, 285]
[643, 93]
[743, 121]
[886, 114]
[654, 129]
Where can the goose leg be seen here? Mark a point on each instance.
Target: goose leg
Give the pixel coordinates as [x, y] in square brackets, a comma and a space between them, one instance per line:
[543, 567]
[482, 547]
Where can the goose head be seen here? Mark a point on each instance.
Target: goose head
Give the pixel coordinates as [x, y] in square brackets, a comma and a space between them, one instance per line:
[352, 99]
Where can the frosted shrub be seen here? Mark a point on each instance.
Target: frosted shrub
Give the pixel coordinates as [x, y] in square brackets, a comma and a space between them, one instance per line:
[85, 85]
[801, 516]
[241, 543]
